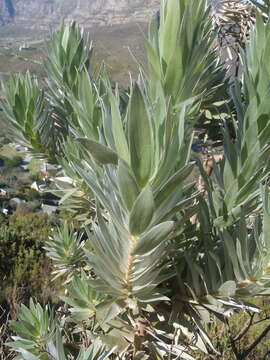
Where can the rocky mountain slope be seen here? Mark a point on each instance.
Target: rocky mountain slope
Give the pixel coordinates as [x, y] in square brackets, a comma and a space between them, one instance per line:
[38, 14]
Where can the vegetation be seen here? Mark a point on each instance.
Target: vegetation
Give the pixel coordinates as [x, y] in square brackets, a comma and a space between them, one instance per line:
[112, 46]
[8, 163]
[245, 332]
[22, 260]
[162, 256]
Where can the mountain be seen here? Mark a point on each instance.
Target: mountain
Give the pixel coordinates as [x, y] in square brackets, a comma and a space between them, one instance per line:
[39, 14]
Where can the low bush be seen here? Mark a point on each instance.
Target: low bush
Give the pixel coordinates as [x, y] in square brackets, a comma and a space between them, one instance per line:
[3, 160]
[30, 194]
[35, 176]
[9, 163]
[24, 269]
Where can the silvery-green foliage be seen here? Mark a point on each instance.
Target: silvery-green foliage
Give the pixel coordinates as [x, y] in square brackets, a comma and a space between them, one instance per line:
[35, 329]
[161, 258]
[65, 249]
[26, 113]
[40, 337]
[68, 54]
[247, 164]
[183, 62]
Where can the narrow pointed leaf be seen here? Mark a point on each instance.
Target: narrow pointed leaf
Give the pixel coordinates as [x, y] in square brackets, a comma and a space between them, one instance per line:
[153, 237]
[101, 153]
[118, 130]
[142, 212]
[140, 138]
[128, 187]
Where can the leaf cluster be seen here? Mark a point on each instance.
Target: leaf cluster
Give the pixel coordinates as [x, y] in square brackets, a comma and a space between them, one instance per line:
[161, 258]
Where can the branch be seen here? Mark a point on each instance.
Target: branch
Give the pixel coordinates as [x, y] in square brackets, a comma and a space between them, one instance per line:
[255, 343]
[261, 320]
[234, 349]
[245, 329]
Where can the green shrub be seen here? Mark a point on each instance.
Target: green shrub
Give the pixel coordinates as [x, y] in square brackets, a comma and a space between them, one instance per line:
[35, 176]
[33, 228]
[24, 268]
[4, 140]
[16, 161]
[162, 259]
[3, 160]
[31, 194]
[10, 162]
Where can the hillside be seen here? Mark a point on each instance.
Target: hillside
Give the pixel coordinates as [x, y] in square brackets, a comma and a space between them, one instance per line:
[39, 14]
